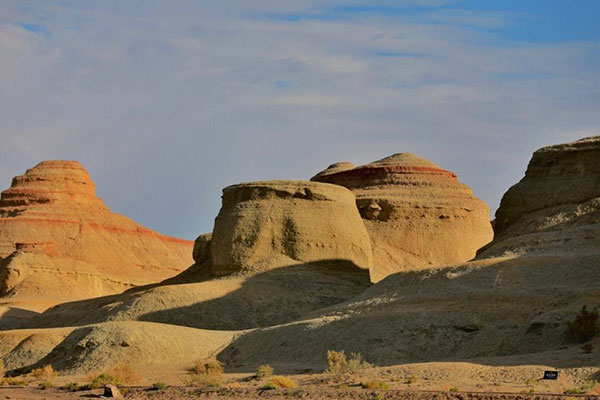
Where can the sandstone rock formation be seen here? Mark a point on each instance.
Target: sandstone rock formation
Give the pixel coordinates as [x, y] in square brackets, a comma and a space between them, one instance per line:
[417, 214]
[265, 225]
[509, 306]
[59, 242]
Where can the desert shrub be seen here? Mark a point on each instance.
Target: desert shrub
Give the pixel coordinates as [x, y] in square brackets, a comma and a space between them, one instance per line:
[211, 381]
[159, 385]
[46, 373]
[584, 326]
[264, 371]
[281, 382]
[124, 373]
[71, 387]
[208, 367]
[453, 389]
[375, 385]
[45, 385]
[15, 382]
[411, 379]
[575, 391]
[342, 386]
[587, 348]
[103, 380]
[338, 364]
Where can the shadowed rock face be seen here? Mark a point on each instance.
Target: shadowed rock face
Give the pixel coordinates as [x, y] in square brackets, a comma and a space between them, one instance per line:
[417, 214]
[266, 225]
[59, 242]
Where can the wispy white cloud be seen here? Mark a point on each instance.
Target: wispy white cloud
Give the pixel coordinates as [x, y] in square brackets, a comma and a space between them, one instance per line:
[166, 103]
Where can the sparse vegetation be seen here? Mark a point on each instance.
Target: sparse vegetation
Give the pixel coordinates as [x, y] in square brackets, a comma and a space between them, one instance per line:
[104, 379]
[584, 327]
[211, 381]
[411, 379]
[45, 385]
[264, 371]
[159, 385]
[46, 373]
[375, 385]
[208, 367]
[281, 382]
[338, 364]
[2, 371]
[15, 382]
[71, 387]
[575, 391]
[453, 389]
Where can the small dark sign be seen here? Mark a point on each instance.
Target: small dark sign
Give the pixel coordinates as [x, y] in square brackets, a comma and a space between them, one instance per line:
[551, 375]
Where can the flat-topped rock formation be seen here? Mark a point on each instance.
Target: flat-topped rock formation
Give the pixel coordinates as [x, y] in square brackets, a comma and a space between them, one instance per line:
[509, 306]
[59, 242]
[266, 225]
[418, 215]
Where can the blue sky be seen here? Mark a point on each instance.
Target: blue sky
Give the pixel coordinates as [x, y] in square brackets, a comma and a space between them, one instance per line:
[165, 103]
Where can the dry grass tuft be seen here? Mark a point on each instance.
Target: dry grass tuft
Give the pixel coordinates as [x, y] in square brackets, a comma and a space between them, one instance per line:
[264, 371]
[2, 371]
[208, 367]
[375, 385]
[338, 364]
[281, 382]
[46, 373]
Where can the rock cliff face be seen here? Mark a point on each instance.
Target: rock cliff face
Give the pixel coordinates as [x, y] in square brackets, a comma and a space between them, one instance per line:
[265, 225]
[59, 242]
[512, 302]
[555, 207]
[417, 214]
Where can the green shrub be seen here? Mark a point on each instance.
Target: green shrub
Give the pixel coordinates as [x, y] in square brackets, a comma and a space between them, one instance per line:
[15, 382]
[212, 381]
[71, 387]
[159, 385]
[103, 380]
[574, 391]
[264, 371]
[375, 385]
[453, 389]
[584, 327]
[46, 385]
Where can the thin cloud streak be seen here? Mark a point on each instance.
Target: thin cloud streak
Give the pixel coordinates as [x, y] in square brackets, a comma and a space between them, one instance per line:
[166, 105]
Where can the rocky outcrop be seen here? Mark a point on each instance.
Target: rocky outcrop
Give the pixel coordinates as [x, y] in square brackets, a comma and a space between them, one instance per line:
[509, 306]
[265, 225]
[59, 242]
[555, 207]
[418, 215]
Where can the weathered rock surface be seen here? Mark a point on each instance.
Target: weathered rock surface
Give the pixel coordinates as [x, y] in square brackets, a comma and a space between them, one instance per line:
[59, 242]
[509, 306]
[266, 225]
[556, 206]
[418, 215]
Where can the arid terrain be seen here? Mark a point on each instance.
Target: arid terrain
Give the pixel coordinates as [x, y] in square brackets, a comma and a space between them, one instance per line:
[395, 260]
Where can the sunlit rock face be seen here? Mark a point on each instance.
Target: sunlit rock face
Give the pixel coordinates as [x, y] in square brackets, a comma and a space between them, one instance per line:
[418, 215]
[272, 224]
[59, 242]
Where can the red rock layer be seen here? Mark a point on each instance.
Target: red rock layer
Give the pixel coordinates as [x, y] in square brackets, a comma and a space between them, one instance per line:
[54, 230]
[417, 214]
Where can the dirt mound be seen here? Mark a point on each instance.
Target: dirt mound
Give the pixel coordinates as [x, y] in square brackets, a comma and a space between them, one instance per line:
[146, 346]
[417, 214]
[59, 242]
